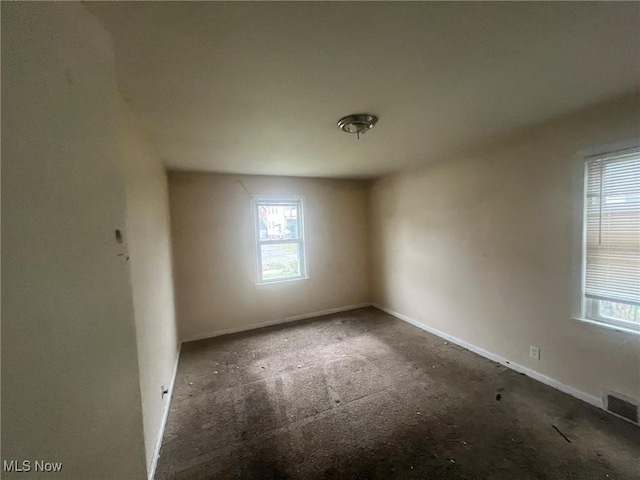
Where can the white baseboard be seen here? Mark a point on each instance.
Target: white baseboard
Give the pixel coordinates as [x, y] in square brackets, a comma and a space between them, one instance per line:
[574, 392]
[163, 423]
[253, 326]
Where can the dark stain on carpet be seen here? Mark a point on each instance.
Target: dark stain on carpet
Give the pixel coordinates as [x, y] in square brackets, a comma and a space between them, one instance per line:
[362, 395]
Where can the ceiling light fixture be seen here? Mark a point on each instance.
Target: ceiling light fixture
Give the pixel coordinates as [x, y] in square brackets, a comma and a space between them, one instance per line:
[357, 123]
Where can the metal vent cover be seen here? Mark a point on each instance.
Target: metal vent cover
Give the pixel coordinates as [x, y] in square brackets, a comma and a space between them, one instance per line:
[622, 406]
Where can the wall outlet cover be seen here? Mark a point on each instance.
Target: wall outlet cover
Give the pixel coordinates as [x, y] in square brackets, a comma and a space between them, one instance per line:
[534, 352]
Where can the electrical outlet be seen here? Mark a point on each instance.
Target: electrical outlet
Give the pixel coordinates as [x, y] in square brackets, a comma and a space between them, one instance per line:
[534, 352]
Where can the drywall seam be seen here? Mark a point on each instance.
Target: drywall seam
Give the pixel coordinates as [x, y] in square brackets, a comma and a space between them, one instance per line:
[274, 322]
[165, 415]
[574, 392]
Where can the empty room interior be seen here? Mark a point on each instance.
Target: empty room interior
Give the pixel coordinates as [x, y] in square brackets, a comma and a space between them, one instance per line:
[320, 240]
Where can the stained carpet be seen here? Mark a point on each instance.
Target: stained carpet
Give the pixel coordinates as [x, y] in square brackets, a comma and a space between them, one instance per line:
[362, 395]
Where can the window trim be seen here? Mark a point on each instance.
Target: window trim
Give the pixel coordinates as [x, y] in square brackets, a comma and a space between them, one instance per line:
[586, 309]
[607, 326]
[301, 241]
[591, 311]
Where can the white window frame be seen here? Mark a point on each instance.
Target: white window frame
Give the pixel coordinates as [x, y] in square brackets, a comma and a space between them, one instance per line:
[588, 310]
[591, 310]
[280, 200]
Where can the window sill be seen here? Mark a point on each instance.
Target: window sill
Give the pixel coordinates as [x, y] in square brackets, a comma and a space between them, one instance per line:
[280, 282]
[607, 325]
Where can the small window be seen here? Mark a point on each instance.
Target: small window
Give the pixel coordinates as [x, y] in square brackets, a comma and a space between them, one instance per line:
[611, 281]
[280, 239]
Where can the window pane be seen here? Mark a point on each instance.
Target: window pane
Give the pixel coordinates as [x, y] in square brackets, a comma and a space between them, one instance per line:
[278, 222]
[280, 260]
[619, 311]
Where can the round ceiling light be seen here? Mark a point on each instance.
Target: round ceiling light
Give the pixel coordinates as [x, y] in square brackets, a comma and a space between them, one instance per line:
[357, 123]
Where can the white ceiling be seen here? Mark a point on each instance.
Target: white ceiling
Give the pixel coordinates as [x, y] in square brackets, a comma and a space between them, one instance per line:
[258, 87]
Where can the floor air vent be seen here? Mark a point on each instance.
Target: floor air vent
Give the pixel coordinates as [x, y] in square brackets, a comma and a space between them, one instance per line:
[622, 407]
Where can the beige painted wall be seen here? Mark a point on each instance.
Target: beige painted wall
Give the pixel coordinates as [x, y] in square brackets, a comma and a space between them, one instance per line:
[148, 237]
[481, 247]
[215, 251]
[70, 384]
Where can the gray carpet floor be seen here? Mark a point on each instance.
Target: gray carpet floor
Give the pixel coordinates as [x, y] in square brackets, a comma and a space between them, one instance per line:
[362, 395]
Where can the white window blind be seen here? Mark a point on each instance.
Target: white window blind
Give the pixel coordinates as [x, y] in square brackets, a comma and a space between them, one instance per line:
[612, 228]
